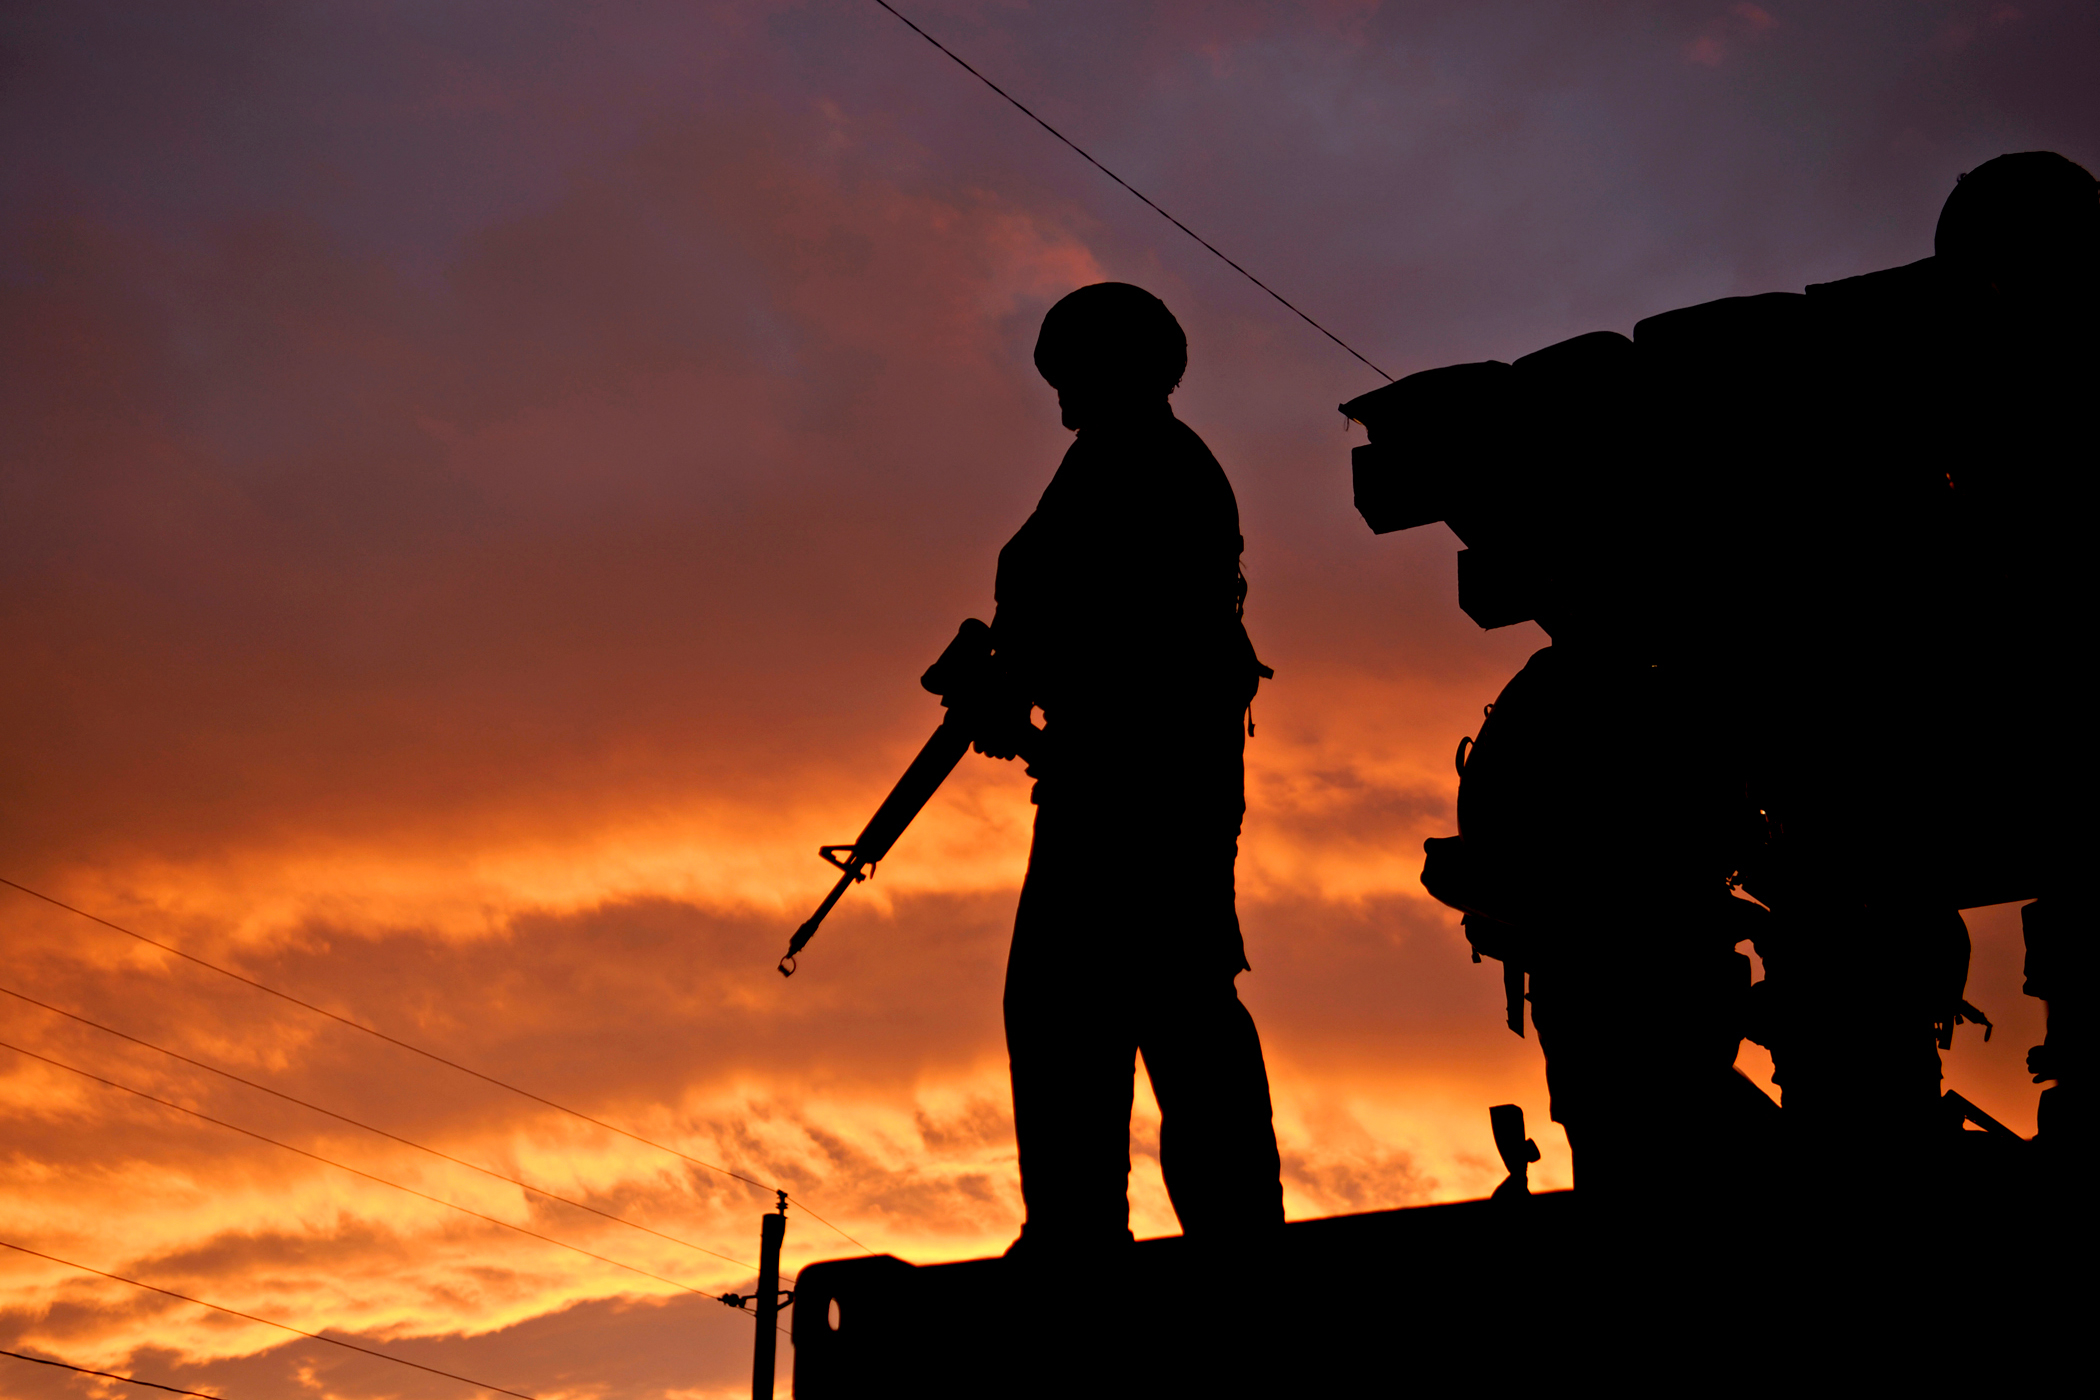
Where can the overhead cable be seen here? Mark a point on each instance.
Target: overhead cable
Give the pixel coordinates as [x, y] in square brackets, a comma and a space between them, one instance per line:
[111, 1375]
[432, 1056]
[327, 1162]
[381, 1132]
[251, 1317]
[1024, 111]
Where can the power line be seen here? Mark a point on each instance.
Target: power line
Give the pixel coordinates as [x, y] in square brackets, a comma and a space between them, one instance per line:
[432, 1056]
[251, 1317]
[1017, 105]
[112, 1375]
[393, 1137]
[315, 1156]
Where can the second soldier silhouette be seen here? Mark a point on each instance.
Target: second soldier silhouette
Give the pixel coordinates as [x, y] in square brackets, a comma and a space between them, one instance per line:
[1118, 616]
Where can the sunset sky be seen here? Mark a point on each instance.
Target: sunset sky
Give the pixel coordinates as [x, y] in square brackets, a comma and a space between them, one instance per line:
[480, 482]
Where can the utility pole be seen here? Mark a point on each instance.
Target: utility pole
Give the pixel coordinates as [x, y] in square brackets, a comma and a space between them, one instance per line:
[772, 1229]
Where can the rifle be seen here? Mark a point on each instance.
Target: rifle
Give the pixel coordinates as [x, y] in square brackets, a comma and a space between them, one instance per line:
[965, 677]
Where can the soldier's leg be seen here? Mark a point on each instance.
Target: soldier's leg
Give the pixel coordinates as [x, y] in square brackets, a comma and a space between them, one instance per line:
[1072, 1068]
[1561, 1043]
[1599, 1093]
[1217, 1136]
[1073, 1055]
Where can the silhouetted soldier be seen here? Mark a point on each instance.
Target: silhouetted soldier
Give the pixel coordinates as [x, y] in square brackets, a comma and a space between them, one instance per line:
[1600, 816]
[1119, 616]
[2020, 236]
[1954, 416]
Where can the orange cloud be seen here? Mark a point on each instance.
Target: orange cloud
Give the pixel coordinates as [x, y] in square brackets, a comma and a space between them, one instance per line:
[476, 506]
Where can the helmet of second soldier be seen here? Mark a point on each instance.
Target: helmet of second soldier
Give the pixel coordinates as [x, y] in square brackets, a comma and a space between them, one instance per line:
[1110, 349]
[2028, 225]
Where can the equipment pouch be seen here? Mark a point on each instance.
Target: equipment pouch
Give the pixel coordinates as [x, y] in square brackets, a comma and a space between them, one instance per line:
[1251, 673]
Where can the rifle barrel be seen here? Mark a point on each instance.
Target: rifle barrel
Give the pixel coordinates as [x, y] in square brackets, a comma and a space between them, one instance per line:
[936, 759]
[809, 926]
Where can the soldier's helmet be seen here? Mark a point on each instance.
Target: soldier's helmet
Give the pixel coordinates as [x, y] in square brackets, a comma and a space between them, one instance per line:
[1115, 337]
[2023, 222]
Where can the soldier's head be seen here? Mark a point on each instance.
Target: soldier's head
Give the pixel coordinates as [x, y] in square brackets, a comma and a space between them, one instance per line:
[1110, 350]
[2027, 225]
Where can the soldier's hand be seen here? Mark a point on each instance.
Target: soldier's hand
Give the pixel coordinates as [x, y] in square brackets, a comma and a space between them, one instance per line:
[999, 733]
[1000, 745]
[2040, 1064]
